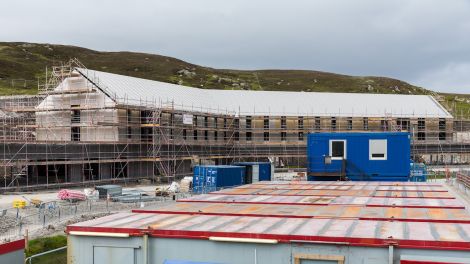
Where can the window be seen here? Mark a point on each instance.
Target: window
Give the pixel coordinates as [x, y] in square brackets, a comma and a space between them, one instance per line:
[194, 120]
[421, 124]
[266, 136]
[317, 125]
[350, 123]
[338, 149]
[421, 136]
[225, 135]
[333, 123]
[225, 122]
[236, 123]
[300, 122]
[301, 136]
[442, 124]
[283, 122]
[442, 135]
[377, 149]
[384, 125]
[206, 121]
[215, 135]
[248, 136]
[215, 122]
[129, 132]
[403, 124]
[75, 133]
[206, 135]
[75, 116]
[195, 134]
[365, 123]
[184, 134]
[266, 122]
[248, 122]
[283, 136]
[236, 136]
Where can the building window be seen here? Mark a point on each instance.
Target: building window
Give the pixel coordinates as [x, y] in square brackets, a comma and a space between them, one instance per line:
[301, 136]
[248, 122]
[365, 123]
[338, 149]
[225, 122]
[266, 136]
[236, 123]
[421, 124]
[283, 136]
[225, 136]
[266, 122]
[194, 120]
[384, 125]
[129, 132]
[442, 135]
[215, 122]
[195, 135]
[248, 136]
[403, 124]
[75, 116]
[442, 124]
[216, 135]
[75, 133]
[283, 122]
[184, 134]
[236, 136]
[377, 149]
[350, 123]
[129, 116]
[317, 125]
[421, 136]
[206, 121]
[333, 123]
[206, 135]
[300, 122]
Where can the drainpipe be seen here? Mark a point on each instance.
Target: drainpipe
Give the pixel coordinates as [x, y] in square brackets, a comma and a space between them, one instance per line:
[390, 254]
[145, 249]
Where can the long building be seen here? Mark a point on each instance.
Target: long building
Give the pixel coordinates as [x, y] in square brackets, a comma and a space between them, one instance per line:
[95, 126]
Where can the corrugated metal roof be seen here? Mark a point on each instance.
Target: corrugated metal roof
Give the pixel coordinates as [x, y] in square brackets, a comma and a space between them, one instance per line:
[131, 90]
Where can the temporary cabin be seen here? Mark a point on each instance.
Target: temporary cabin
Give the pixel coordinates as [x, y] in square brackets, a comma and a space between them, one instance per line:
[381, 156]
[256, 171]
[211, 178]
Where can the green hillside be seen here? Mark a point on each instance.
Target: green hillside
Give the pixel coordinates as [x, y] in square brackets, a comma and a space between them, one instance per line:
[23, 65]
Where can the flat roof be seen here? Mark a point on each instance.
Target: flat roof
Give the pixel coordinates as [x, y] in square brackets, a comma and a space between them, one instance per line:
[131, 90]
[440, 222]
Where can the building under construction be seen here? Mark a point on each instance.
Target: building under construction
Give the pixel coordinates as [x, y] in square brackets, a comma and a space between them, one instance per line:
[90, 126]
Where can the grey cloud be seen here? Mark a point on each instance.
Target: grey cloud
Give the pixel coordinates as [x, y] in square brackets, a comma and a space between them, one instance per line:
[425, 42]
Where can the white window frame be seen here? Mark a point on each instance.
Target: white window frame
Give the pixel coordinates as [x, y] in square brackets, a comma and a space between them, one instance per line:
[370, 149]
[344, 149]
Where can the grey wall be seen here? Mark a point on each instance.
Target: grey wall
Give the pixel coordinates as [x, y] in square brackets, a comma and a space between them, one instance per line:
[15, 257]
[83, 249]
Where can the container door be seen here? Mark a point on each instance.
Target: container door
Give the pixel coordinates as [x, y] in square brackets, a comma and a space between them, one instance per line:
[255, 173]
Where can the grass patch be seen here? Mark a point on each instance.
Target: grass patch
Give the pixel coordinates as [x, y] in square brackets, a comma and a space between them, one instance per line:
[44, 244]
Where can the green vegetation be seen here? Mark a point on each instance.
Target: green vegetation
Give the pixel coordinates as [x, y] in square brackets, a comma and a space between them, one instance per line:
[28, 61]
[44, 244]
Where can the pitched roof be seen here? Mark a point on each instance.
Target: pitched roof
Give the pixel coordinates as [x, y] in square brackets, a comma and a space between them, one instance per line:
[131, 90]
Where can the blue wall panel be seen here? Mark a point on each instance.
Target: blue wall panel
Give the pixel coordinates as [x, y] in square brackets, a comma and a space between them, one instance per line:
[358, 165]
[210, 178]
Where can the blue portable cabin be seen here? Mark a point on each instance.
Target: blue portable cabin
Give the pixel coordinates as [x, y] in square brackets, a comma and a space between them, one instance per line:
[256, 171]
[212, 177]
[372, 156]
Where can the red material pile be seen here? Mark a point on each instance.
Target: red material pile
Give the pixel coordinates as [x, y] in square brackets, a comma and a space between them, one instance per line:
[65, 194]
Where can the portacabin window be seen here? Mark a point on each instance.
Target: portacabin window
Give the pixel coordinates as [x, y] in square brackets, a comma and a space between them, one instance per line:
[377, 149]
[337, 149]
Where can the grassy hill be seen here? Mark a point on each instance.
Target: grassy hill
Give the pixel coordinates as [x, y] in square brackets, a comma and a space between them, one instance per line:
[22, 66]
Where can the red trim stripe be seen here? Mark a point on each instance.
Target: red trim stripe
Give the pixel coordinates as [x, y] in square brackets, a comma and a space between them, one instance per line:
[12, 246]
[427, 220]
[370, 242]
[323, 204]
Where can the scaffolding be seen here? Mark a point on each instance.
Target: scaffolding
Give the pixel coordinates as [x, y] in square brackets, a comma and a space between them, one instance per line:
[78, 132]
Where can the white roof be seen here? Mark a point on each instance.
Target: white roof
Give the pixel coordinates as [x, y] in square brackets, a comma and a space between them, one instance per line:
[131, 90]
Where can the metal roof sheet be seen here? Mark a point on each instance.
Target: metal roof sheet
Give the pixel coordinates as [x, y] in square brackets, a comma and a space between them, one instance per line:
[131, 90]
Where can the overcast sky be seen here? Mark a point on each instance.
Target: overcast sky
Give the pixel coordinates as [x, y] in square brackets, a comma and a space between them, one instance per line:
[424, 42]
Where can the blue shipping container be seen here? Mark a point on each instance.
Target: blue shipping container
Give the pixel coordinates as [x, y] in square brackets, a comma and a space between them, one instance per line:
[256, 171]
[210, 178]
[375, 156]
